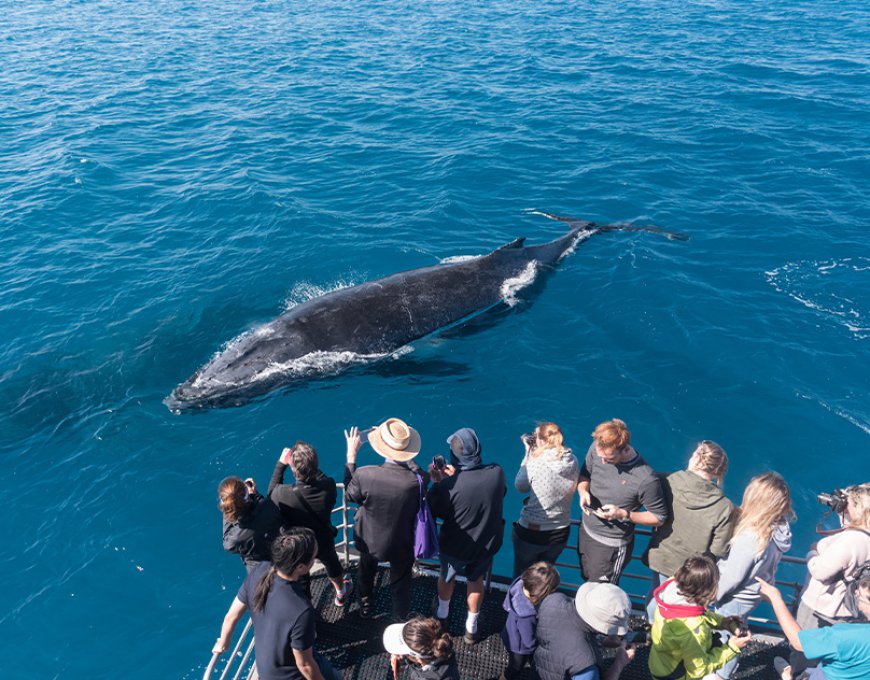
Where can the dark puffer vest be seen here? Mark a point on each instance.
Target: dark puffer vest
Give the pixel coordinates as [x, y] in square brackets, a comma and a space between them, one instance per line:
[566, 643]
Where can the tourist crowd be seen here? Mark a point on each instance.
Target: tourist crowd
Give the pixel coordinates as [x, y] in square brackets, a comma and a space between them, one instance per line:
[712, 562]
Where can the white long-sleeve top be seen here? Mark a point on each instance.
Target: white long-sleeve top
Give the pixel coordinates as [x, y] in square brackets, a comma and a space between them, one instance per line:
[835, 559]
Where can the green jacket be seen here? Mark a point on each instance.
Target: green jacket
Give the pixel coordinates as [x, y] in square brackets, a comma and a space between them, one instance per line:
[700, 523]
[682, 639]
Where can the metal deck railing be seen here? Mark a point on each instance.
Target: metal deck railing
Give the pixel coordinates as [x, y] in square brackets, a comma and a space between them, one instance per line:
[239, 661]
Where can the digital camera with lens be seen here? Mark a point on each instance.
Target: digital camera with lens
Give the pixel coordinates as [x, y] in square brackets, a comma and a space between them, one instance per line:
[836, 501]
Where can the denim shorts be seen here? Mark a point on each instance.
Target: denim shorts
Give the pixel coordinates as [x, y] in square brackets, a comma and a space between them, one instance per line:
[452, 567]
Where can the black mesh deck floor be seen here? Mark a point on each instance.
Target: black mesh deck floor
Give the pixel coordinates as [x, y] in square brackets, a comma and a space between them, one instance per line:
[353, 644]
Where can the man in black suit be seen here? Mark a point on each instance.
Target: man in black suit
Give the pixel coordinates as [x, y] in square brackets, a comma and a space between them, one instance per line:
[389, 498]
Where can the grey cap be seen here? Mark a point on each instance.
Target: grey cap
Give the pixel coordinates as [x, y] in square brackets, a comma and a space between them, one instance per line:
[603, 606]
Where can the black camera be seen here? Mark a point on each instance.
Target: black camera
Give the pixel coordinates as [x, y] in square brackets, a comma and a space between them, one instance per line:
[836, 501]
[637, 637]
[439, 463]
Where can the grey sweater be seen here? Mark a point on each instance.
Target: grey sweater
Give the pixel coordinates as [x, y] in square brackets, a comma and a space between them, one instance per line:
[551, 480]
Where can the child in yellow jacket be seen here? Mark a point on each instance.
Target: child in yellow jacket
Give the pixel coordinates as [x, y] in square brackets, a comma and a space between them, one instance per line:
[683, 644]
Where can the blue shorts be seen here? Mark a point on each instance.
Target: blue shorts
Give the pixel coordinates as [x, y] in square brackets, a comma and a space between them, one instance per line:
[452, 567]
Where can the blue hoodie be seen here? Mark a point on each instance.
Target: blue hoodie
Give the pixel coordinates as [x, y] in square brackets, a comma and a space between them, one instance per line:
[519, 629]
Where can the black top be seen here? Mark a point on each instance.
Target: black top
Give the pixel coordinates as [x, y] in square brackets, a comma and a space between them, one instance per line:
[251, 537]
[389, 498]
[286, 623]
[319, 493]
[440, 669]
[566, 643]
[470, 503]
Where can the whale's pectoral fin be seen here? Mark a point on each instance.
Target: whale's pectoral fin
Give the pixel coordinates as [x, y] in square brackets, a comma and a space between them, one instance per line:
[672, 235]
[572, 222]
[516, 243]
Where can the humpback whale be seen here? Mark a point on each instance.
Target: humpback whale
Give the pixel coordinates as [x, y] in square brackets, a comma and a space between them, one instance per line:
[372, 319]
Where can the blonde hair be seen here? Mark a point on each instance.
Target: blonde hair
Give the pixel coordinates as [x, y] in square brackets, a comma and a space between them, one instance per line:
[860, 497]
[549, 436]
[612, 434]
[711, 459]
[766, 503]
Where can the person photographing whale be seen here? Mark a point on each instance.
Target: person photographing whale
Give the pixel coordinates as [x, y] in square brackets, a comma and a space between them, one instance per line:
[388, 496]
[468, 495]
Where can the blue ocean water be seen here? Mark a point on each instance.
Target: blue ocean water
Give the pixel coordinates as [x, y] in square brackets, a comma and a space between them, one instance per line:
[174, 174]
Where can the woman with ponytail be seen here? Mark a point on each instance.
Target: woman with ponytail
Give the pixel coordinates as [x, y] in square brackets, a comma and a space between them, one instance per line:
[283, 616]
[700, 519]
[251, 522]
[424, 646]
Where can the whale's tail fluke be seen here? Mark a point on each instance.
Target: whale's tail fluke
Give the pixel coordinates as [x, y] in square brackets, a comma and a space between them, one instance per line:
[574, 223]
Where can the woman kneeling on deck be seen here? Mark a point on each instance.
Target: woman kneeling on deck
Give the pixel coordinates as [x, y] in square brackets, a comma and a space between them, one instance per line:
[283, 616]
[424, 645]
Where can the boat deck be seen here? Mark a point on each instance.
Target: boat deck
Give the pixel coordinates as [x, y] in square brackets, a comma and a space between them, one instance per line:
[353, 644]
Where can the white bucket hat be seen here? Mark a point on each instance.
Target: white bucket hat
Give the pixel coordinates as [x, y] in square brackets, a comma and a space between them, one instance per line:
[603, 606]
[395, 440]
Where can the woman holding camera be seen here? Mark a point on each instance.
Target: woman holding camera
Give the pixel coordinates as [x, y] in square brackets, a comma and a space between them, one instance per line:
[549, 474]
[309, 503]
[832, 564]
[251, 522]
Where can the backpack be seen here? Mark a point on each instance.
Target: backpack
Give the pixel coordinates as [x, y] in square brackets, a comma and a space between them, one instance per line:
[859, 574]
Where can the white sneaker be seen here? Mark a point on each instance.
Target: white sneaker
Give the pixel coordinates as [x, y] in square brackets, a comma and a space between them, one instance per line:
[782, 668]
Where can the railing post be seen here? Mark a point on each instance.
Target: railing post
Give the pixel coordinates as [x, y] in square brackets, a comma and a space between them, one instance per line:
[344, 526]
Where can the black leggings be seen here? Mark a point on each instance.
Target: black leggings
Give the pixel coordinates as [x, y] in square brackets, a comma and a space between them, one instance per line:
[516, 663]
[328, 557]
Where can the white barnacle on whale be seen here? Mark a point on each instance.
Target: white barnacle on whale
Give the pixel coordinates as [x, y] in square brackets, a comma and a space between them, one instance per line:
[321, 363]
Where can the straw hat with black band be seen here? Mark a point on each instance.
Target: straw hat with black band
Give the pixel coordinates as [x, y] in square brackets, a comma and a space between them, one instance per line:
[395, 440]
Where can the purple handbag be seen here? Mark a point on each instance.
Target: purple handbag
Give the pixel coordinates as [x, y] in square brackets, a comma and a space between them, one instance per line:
[426, 532]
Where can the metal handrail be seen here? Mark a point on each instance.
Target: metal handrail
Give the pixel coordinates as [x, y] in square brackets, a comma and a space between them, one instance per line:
[344, 544]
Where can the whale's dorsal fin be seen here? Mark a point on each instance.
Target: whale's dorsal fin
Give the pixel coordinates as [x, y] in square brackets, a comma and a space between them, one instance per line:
[516, 243]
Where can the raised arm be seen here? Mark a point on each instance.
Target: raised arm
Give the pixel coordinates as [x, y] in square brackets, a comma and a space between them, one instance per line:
[352, 491]
[278, 472]
[833, 557]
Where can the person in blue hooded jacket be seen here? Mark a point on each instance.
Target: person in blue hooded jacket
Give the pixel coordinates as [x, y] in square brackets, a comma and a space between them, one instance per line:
[469, 497]
[521, 604]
